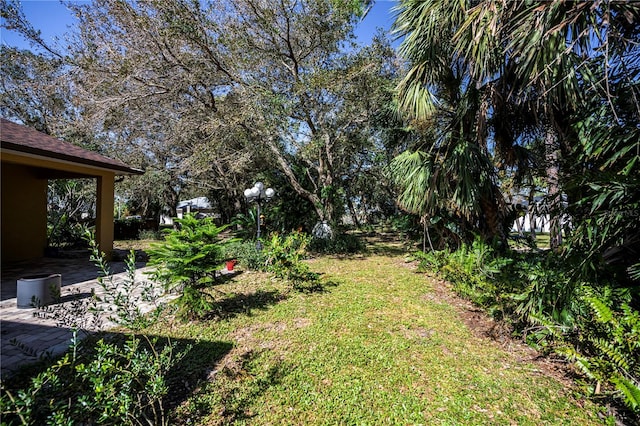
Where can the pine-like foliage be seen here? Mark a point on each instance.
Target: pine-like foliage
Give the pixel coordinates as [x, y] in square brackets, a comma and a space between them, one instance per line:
[188, 260]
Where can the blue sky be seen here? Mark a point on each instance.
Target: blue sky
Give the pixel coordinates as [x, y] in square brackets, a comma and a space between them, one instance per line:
[54, 20]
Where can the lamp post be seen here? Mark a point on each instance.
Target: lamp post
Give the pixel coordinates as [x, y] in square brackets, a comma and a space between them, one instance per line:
[258, 194]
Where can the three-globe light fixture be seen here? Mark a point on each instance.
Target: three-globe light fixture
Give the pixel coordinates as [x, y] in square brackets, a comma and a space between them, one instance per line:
[258, 194]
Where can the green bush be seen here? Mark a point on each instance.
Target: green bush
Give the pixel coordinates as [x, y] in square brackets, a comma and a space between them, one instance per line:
[116, 380]
[149, 234]
[284, 258]
[473, 270]
[537, 293]
[189, 261]
[247, 254]
[114, 383]
[127, 229]
[605, 346]
[245, 225]
[341, 243]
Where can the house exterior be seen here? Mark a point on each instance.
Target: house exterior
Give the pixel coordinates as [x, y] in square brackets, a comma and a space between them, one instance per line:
[29, 160]
[200, 206]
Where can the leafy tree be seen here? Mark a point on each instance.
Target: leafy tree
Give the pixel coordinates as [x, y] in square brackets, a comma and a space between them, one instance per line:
[202, 92]
[203, 95]
[67, 201]
[528, 71]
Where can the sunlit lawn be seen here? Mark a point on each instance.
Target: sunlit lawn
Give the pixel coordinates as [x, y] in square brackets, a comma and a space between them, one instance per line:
[542, 241]
[377, 346]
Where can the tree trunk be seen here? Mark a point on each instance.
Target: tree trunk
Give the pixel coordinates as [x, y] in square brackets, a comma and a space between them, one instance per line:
[293, 180]
[493, 224]
[555, 205]
[531, 212]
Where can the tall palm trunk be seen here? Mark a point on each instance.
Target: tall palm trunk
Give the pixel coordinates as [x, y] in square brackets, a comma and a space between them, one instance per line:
[492, 214]
[553, 187]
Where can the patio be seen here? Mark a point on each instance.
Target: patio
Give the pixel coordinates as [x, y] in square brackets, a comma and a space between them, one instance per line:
[39, 335]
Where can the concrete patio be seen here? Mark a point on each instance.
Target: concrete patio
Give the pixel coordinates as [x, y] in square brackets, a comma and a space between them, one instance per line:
[25, 335]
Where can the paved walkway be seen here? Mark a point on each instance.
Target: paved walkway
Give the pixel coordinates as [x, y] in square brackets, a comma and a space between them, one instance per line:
[27, 334]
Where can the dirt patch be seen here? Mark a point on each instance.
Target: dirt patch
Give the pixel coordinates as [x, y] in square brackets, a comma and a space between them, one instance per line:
[249, 342]
[483, 326]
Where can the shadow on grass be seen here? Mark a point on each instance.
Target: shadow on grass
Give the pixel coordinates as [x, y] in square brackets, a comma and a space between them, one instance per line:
[240, 384]
[236, 304]
[199, 358]
[105, 364]
[310, 287]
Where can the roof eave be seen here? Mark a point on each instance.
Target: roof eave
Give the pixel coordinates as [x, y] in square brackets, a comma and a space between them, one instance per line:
[122, 169]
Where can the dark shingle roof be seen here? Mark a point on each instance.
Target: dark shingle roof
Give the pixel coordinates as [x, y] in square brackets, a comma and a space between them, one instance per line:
[17, 137]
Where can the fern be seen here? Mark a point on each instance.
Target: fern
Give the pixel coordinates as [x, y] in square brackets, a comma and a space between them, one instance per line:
[609, 345]
[600, 309]
[629, 390]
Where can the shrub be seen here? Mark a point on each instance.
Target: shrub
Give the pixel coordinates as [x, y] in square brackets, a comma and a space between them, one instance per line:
[538, 293]
[340, 243]
[245, 225]
[113, 383]
[188, 260]
[606, 345]
[247, 254]
[127, 229]
[283, 257]
[149, 234]
[473, 270]
[115, 380]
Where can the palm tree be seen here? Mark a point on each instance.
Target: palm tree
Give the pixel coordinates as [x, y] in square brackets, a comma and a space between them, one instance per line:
[501, 74]
[576, 67]
[453, 164]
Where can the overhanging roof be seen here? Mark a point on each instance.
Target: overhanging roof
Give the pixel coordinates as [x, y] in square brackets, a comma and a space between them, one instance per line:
[22, 139]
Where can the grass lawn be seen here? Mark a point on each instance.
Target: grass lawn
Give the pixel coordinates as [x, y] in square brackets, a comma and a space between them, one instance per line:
[380, 344]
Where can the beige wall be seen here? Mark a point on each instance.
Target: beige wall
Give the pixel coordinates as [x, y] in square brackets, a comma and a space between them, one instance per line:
[24, 213]
[24, 203]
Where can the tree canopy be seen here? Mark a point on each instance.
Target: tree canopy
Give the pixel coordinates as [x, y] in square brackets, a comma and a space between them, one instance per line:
[493, 80]
[203, 95]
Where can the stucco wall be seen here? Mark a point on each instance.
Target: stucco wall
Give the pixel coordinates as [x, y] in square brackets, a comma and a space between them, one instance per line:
[24, 213]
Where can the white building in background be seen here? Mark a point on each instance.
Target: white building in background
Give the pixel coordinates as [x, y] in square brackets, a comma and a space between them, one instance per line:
[200, 206]
[193, 205]
[535, 218]
[539, 223]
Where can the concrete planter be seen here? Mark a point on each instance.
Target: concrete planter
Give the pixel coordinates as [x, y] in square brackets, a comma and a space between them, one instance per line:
[43, 289]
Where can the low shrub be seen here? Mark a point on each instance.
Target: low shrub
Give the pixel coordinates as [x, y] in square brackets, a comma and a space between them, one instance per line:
[538, 294]
[247, 254]
[340, 243]
[473, 271]
[605, 346]
[149, 234]
[114, 379]
[189, 261]
[127, 229]
[284, 258]
[114, 382]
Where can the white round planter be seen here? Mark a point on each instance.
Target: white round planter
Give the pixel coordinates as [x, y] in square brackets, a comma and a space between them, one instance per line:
[38, 290]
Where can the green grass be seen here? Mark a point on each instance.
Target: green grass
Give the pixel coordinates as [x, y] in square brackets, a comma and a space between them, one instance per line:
[377, 346]
[542, 241]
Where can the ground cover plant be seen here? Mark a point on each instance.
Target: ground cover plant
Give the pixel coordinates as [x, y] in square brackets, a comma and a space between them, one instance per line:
[371, 342]
[376, 344]
[539, 295]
